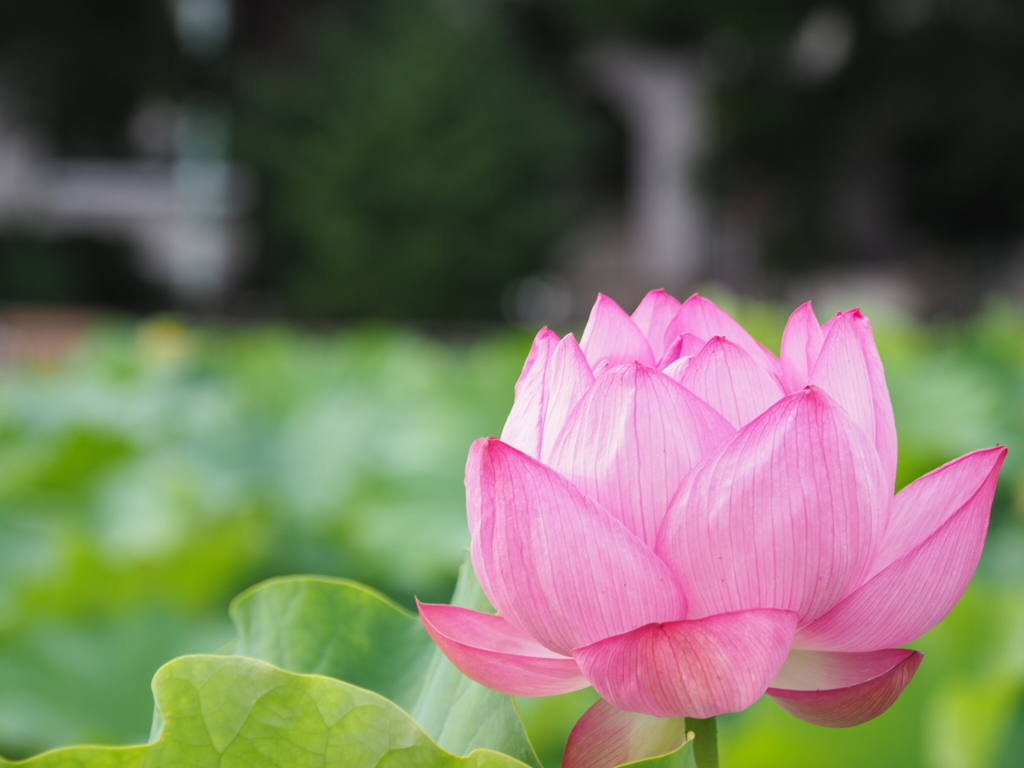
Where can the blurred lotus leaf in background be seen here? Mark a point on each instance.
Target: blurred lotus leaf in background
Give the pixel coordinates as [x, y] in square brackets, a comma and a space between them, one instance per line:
[161, 469]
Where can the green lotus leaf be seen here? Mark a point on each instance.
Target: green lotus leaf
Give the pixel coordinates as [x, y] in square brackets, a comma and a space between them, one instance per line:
[234, 712]
[347, 631]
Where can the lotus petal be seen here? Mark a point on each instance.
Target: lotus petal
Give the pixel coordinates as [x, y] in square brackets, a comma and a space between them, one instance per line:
[525, 420]
[850, 370]
[729, 380]
[569, 377]
[885, 421]
[705, 320]
[555, 377]
[786, 514]
[801, 344]
[698, 668]
[913, 594]
[686, 345]
[653, 316]
[555, 563]
[632, 439]
[839, 690]
[606, 737]
[612, 336]
[842, 372]
[928, 502]
[488, 649]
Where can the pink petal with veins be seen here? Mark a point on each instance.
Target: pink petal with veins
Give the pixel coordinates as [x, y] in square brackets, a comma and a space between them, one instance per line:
[632, 439]
[928, 502]
[696, 668]
[801, 344]
[914, 593]
[839, 690]
[729, 380]
[555, 378]
[606, 737]
[612, 336]
[653, 316]
[489, 650]
[850, 370]
[705, 320]
[554, 563]
[525, 421]
[787, 514]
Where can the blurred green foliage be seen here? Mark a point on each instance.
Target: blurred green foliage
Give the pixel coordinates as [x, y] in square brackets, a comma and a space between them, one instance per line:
[162, 469]
[149, 479]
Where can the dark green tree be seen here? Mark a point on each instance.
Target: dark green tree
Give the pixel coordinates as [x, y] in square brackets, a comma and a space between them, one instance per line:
[415, 161]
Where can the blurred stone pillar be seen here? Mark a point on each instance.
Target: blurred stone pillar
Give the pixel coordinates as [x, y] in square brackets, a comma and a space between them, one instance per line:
[203, 252]
[661, 99]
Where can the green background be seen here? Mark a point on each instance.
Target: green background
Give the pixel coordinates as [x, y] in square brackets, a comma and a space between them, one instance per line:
[164, 468]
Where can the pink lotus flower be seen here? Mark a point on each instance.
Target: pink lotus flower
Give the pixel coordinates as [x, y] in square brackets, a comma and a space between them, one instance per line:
[685, 522]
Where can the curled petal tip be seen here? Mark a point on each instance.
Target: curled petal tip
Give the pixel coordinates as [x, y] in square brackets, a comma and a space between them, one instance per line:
[925, 562]
[484, 444]
[861, 698]
[493, 652]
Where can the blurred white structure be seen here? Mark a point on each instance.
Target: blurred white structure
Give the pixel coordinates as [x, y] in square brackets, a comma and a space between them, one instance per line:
[183, 220]
[661, 100]
[179, 205]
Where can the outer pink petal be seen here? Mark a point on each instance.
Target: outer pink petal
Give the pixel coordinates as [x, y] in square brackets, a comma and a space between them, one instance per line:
[729, 380]
[525, 421]
[488, 649]
[801, 343]
[555, 563]
[838, 690]
[612, 336]
[705, 320]
[653, 316]
[850, 370]
[632, 439]
[928, 502]
[696, 668]
[914, 593]
[785, 515]
[606, 737]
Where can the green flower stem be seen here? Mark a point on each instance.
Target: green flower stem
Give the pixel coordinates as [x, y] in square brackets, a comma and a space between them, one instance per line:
[705, 744]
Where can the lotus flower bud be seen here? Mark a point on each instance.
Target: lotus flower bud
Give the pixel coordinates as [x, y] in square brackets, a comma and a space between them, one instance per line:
[686, 522]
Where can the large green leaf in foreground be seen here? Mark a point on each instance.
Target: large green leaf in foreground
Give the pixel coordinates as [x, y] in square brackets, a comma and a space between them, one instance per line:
[349, 655]
[232, 712]
[347, 631]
